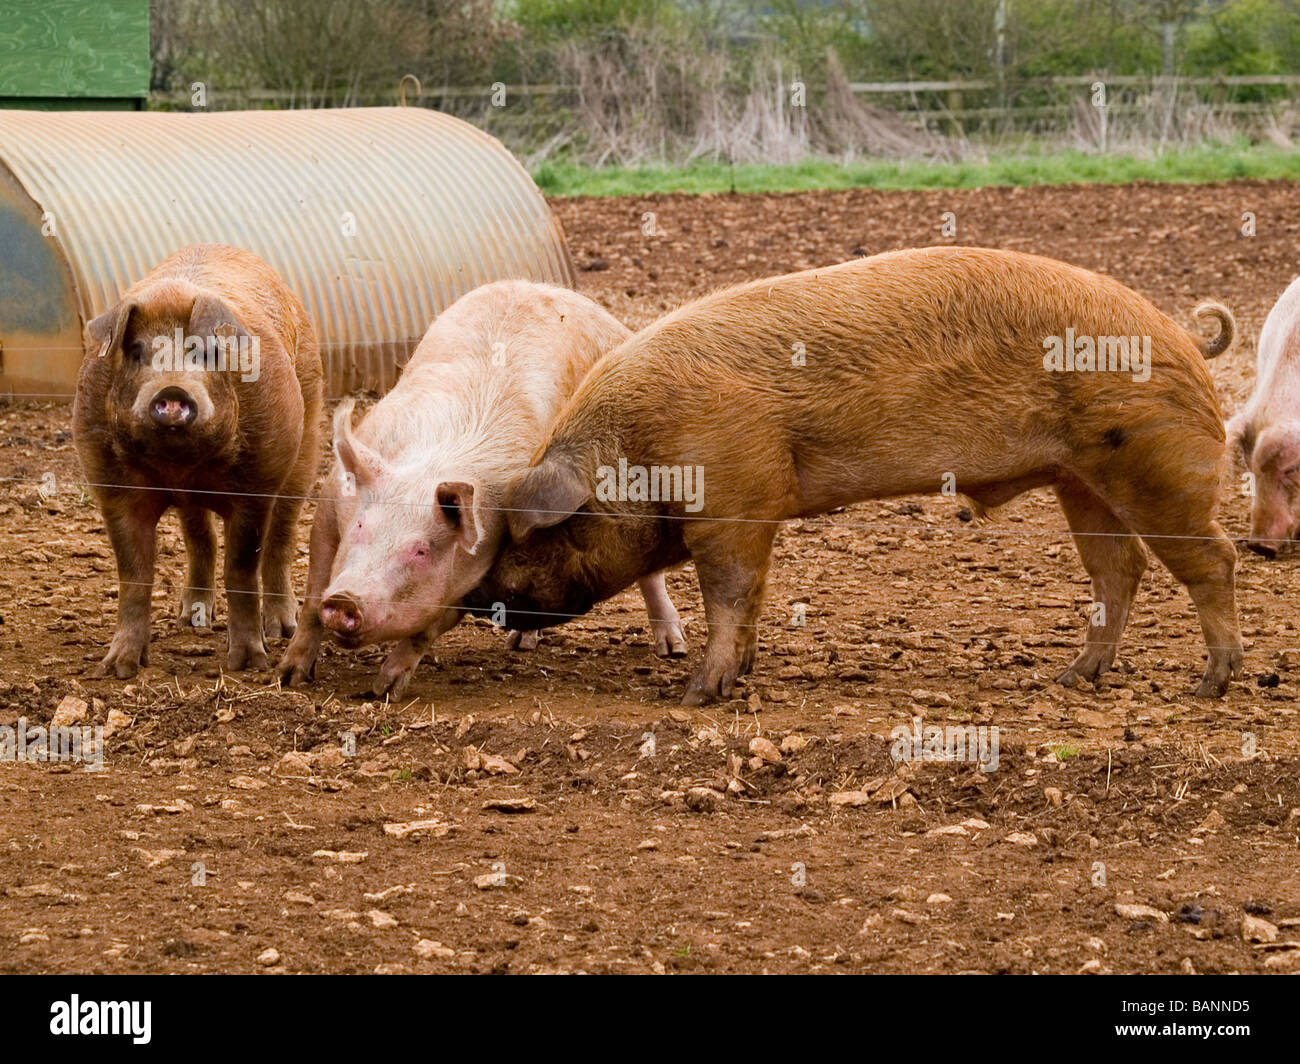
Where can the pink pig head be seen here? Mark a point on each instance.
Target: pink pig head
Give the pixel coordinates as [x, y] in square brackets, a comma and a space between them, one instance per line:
[412, 546]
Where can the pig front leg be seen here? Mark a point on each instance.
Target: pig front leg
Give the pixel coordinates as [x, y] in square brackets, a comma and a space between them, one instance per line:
[199, 595]
[298, 664]
[732, 567]
[245, 536]
[132, 520]
[518, 640]
[399, 667]
[665, 622]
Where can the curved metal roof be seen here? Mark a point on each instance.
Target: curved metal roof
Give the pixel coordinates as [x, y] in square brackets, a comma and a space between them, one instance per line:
[377, 217]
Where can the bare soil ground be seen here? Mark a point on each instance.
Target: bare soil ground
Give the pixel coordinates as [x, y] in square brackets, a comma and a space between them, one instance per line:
[1126, 829]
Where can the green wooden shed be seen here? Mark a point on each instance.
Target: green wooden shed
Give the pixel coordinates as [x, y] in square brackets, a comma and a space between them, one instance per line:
[74, 54]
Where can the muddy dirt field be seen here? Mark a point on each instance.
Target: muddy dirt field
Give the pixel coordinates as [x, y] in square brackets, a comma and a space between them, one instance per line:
[557, 811]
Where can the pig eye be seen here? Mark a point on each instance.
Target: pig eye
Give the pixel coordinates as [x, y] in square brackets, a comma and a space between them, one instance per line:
[422, 551]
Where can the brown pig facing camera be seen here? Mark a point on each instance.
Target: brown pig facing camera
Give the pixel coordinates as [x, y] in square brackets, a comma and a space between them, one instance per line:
[201, 389]
[893, 375]
[412, 516]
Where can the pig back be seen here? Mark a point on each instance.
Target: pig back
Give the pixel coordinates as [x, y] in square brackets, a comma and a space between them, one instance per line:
[880, 375]
[504, 358]
[1276, 394]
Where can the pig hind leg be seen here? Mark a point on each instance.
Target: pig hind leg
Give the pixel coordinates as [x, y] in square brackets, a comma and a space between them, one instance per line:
[199, 595]
[1115, 560]
[1203, 559]
[279, 606]
[665, 622]
[731, 563]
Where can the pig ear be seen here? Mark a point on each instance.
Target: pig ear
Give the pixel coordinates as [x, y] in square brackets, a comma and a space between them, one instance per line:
[363, 466]
[459, 505]
[106, 333]
[543, 496]
[1237, 432]
[211, 317]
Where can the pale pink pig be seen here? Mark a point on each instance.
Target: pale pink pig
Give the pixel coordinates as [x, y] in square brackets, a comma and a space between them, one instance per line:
[1265, 433]
[412, 517]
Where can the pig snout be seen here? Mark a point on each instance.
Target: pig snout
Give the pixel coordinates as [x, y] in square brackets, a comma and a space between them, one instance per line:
[1271, 526]
[1266, 538]
[173, 407]
[341, 613]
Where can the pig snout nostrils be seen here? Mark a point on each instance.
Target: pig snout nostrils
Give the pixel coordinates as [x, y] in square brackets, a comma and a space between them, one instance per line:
[173, 408]
[341, 613]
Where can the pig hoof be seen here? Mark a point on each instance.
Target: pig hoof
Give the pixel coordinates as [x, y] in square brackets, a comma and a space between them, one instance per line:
[239, 658]
[747, 658]
[516, 640]
[121, 661]
[670, 641]
[1077, 674]
[392, 686]
[1211, 687]
[277, 628]
[198, 611]
[700, 690]
[121, 668]
[298, 662]
[279, 617]
[293, 675]
[1222, 668]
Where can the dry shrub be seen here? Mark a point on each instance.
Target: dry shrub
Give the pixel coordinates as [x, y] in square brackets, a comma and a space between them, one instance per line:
[1166, 116]
[646, 97]
[849, 127]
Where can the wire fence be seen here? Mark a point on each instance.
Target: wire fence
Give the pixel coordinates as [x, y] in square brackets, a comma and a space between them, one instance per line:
[963, 104]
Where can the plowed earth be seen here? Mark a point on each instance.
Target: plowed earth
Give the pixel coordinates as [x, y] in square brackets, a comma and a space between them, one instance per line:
[575, 819]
